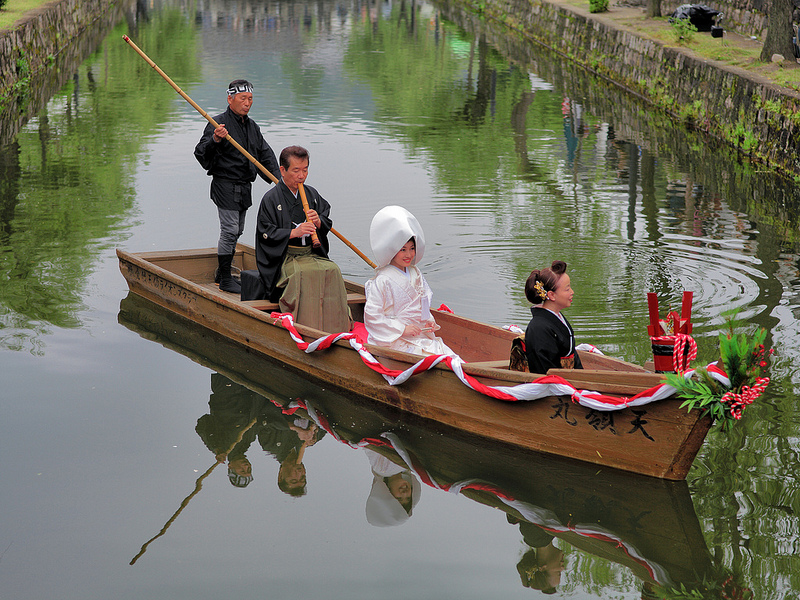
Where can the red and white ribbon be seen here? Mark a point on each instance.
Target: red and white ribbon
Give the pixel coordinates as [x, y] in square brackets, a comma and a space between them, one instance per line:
[684, 349]
[549, 385]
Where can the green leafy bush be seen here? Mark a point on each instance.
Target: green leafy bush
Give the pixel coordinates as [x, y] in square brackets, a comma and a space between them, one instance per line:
[683, 30]
[595, 6]
[725, 389]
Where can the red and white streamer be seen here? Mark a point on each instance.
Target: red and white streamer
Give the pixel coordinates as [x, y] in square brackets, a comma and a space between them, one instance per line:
[549, 385]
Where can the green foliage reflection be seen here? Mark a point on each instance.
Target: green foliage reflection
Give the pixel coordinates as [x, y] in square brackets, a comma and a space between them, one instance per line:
[67, 178]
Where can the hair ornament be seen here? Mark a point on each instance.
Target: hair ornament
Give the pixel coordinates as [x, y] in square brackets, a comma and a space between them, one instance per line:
[540, 291]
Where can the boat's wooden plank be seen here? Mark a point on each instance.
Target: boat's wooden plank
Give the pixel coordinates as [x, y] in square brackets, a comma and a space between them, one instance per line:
[352, 287]
[645, 380]
[263, 305]
[472, 340]
[267, 306]
[214, 287]
[593, 360]
[196, 269]
[247, 256]
[491, 364]
[160, 255]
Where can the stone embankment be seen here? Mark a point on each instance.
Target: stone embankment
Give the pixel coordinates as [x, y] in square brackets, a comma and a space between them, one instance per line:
[759, 118]
[42, 51]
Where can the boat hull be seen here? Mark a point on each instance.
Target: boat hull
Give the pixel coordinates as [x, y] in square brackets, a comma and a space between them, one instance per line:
[660, 439]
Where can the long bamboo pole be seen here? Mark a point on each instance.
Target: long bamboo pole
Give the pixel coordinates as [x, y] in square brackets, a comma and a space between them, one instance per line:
[197, 486]
[236, 144]
[302, 193]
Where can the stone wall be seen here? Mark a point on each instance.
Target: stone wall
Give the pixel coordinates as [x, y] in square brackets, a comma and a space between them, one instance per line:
[35, 41]
[41, 52]
[751, 114]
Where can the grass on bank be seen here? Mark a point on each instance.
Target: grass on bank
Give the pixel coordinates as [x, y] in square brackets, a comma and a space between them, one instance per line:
[14, 10]
[731, 49]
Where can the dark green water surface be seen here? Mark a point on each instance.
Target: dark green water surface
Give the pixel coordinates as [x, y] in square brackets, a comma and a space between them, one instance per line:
[509, 158]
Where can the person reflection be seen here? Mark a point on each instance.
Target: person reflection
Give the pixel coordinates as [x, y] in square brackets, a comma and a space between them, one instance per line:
[394, 494]
[231, 408]
[286, 438]
[540, 567]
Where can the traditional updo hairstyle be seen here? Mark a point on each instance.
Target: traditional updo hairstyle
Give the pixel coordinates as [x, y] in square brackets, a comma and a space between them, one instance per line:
[540, 282]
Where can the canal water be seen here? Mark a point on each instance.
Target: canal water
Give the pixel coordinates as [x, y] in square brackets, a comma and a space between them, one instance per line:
[510, 159]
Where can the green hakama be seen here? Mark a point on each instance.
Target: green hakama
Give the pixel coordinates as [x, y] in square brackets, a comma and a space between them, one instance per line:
[322, 304]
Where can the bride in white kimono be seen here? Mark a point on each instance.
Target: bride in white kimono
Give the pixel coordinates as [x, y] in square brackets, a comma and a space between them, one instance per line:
[397, 312]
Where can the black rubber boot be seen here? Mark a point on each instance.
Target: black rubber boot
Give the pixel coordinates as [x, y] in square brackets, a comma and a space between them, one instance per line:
[226, 282]
[233, 274]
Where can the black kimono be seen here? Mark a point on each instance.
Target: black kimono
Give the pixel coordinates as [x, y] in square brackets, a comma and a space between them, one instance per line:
[278, 214]
[548, 340]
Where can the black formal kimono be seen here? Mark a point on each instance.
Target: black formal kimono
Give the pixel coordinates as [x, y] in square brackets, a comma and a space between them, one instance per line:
[278, 214]
[549, 342]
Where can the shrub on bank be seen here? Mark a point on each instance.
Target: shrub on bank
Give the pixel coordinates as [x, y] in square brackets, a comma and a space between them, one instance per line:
[595, 6]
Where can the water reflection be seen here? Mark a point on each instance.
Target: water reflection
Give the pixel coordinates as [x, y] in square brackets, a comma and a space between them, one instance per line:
[394, 493]
[235, 411]
[572, 517]
[67, 183]
[228, 429]
[530, 161]
[571, 186]
[510, 155]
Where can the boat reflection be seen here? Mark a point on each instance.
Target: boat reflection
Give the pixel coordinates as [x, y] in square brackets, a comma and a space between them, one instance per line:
[646, 524]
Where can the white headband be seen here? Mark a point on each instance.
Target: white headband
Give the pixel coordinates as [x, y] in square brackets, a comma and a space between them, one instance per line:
[240, 88]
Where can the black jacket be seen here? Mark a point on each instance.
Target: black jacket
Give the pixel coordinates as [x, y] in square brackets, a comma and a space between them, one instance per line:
[232, 172]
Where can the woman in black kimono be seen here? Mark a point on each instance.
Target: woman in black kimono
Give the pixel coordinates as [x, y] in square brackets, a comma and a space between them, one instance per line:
[549, 340]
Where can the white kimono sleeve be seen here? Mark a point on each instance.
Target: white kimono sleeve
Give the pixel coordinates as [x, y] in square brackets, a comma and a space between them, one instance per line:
[380, 317]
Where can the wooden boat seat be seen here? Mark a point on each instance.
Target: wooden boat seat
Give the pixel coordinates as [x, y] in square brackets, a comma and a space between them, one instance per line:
[491, 364]
[263, 305]
[267, 306]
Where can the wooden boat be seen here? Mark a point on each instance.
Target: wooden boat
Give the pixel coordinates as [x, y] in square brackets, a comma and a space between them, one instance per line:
[659, 439]
[646, 524]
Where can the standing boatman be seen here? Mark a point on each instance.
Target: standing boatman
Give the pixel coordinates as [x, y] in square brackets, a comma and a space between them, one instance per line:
[232, 173]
